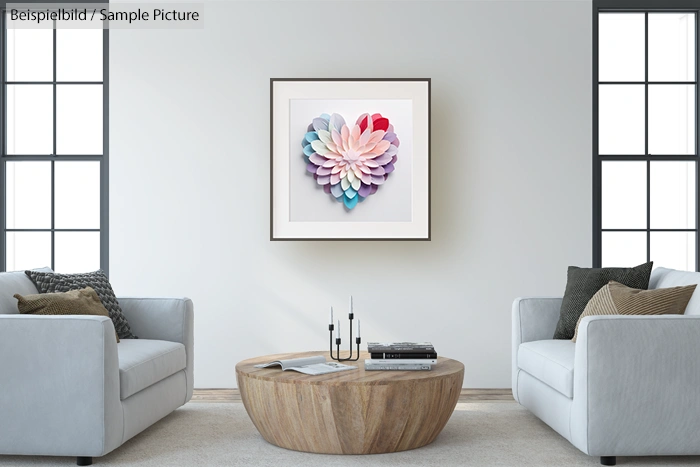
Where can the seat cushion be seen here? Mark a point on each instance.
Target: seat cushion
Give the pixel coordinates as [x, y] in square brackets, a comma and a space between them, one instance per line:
[550, 361]
[143, 362]
[662, 278]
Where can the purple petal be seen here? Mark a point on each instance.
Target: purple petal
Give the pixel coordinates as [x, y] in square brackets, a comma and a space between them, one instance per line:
[310, 127]
[383, 159]
[322, 170]
[389, 168]
[315, 177]
[310, 167]
[374, 189]
[364, 190]
[327, 188]
[323, 180]
[396, 142]
[390, 136]
[317, 159]
[320, 124]
[378, 171]
[394, 159]
[337, 190]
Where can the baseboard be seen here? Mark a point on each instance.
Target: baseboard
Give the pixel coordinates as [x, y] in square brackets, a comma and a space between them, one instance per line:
[466, 396]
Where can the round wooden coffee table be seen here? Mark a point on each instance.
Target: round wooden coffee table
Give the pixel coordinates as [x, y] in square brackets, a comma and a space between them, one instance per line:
[351, 412]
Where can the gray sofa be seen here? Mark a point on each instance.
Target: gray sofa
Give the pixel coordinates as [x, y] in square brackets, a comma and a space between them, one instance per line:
[627, 387]
[68, 389]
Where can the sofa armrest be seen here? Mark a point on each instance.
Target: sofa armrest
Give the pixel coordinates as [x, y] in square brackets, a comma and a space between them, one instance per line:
[636, 383]
[167, 319]
[59, 386]
[533, 319]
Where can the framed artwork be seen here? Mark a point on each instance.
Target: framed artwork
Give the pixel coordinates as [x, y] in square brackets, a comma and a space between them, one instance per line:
[349, 159]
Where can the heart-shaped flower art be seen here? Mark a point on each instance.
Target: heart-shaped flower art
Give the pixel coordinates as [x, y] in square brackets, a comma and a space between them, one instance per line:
[350, 162]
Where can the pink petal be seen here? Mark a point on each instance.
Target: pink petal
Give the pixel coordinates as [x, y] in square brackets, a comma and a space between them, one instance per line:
[335, 179]
[378, 171]
[345, 134]
[371, 163]
[381, 147]
[364, 139]
[365, 169]
[329, 164]
[323, 171]
[325, 180]
[357, 172]
[377, 136]
[336, 169]
[366, 179]
[377, 180]
[337, 139]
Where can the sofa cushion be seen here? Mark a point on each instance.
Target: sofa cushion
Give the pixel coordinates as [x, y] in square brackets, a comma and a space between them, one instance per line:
[144, 362]
[550, 361]
[12, 283]
[662, 278]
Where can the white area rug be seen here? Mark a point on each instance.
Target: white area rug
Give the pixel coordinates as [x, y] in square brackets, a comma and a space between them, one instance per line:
[478, 434]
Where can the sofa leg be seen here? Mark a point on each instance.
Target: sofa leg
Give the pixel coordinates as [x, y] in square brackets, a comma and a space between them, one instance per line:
[608, 460]
[84, 461]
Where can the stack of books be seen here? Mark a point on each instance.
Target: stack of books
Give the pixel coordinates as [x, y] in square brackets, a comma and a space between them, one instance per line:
[412, 356]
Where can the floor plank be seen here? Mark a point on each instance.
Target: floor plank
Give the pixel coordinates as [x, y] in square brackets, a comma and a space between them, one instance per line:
[467, 395]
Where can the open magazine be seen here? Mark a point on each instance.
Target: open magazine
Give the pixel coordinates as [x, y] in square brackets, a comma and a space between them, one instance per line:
[309, 365]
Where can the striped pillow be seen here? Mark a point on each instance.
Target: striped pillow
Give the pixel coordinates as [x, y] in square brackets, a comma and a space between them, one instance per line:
[618, 299]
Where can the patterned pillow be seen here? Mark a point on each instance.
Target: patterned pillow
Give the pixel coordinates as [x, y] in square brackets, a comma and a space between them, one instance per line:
[583, 283]
[48, 282]
[617, 299]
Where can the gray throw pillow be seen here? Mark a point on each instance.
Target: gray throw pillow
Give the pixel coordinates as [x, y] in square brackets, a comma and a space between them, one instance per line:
[583, 283]
[47, 282]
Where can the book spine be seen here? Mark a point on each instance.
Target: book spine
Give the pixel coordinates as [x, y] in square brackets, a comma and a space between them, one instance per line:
[400, 355]
[397, 367]
[401, 349]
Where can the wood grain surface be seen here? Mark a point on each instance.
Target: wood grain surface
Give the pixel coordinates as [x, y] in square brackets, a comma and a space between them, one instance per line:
[352, 412]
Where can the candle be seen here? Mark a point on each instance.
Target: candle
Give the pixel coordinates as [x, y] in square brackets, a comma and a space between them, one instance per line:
[337, 331]
[331, 321]
[358, 328]
[350, 303]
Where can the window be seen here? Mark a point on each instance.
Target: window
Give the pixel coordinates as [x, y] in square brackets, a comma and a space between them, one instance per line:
[54, 149]
[645, 142]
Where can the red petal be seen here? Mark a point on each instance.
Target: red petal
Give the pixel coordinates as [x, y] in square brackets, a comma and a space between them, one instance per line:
[363, 124]
[381, 124]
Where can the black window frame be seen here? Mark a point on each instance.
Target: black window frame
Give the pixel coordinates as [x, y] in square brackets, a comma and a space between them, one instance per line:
[103, 159]
[643, 6]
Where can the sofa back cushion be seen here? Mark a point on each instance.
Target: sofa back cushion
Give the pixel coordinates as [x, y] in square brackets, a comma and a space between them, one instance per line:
[12, 283]
[662, 278]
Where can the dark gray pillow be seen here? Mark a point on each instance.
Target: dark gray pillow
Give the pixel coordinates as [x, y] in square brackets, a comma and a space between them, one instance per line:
[48, 282]
[583, 283]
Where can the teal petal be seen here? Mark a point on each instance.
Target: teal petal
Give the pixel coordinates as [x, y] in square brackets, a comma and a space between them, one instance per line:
[308, 150]
[310, 136]
[326, 117]
[350, 193]
[350, 203]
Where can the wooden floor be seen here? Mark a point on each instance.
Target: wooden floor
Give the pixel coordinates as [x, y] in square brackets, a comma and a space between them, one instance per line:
[468, 395]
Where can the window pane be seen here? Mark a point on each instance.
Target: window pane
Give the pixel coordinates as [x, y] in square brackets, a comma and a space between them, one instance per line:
[79, 54]
[621, 47]
[30, 119]
[29, 54]
[624, 195]
[77, 195]
[671, 47]
[77, 252]
[621, 119]
[624, 249]
[671, 119]
[28, 250]
[675, 250]
[79, 119]
[672, 195]
[28, 195]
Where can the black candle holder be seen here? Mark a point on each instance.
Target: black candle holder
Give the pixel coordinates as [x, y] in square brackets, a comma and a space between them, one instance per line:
[331, 328]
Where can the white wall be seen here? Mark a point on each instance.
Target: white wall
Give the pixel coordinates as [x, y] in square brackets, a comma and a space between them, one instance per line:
[511, 160]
